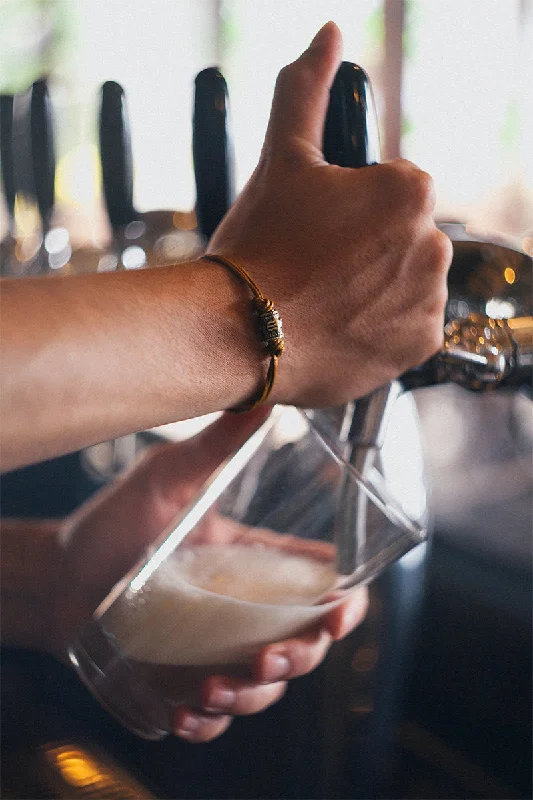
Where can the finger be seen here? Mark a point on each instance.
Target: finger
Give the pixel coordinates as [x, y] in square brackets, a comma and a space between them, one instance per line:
[342, 619]
[293, 657]
[294, 545]
[236, 696]
[296, 126]
[146, 498]
[197, 726]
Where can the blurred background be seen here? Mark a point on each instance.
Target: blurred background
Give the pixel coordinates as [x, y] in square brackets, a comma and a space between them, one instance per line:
[452, 80]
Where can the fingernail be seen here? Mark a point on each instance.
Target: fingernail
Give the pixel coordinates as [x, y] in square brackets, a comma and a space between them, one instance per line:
[188, 725]
[275, 667]
[320, 37]
[221, 697]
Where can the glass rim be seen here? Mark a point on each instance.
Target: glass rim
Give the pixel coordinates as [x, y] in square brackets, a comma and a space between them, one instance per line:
[413, 532]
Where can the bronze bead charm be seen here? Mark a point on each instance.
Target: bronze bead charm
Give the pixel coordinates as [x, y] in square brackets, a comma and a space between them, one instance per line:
[270, 326]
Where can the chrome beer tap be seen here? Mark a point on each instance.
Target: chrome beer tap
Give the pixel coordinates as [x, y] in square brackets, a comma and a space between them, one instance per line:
[481, 353]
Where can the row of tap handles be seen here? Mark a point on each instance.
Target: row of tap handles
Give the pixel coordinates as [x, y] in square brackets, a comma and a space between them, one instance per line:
[29, 171]
[479, 352]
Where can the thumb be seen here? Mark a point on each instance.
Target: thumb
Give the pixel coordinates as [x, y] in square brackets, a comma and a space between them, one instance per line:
[296, 127]
[222, 438]
[188, 464]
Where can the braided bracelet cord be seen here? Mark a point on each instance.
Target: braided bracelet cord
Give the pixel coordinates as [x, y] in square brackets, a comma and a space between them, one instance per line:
[270, 329]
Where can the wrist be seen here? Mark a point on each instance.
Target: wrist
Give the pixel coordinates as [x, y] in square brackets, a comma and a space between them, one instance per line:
[227, 343]
[282, 299]
[268, 324]
[29, 564]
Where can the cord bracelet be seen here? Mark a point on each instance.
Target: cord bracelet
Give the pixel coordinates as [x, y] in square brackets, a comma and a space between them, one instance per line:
[270, 329]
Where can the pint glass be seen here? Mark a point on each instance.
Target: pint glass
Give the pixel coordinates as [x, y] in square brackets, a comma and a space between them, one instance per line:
[263, 551]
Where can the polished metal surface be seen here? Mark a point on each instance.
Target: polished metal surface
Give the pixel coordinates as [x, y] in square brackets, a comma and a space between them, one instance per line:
[480, 352]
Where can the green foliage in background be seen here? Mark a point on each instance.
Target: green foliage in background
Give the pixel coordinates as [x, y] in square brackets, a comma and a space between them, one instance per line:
[35, 38]
[410, 28]
[375, 29]
[510, 130]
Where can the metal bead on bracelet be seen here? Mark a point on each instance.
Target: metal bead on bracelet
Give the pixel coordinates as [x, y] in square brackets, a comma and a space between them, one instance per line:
[270, 328]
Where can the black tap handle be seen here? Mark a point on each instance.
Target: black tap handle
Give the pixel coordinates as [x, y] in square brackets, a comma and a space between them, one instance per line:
[116, 155]
[351, 136]
[351, 139]
[6, 151]
[212, 150]
[42, 150]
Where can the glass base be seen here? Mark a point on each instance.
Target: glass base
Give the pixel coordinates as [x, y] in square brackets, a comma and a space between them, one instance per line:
[112, 679]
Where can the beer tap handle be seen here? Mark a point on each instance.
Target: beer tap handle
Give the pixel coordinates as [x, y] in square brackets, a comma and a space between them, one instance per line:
[212, 150]
[351, 139]
[42, 151]
[6, 154]
[116, 160]
[7, 244]
[116, 155]
[351, 135]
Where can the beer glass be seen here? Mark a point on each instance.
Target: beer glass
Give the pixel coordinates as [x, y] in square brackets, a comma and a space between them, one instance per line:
[274, 539]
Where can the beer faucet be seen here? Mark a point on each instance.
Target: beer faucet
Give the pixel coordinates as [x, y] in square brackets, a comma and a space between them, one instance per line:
[212, 149]
[43, 155]
[108, 459]
[139, 238]
[351, 139]
[116, 156]
[479, 352]
[8, 243]
[28, 172]
[116, 161]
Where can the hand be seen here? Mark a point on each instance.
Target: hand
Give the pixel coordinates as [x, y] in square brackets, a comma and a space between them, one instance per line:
[351, 258]
[109, 534]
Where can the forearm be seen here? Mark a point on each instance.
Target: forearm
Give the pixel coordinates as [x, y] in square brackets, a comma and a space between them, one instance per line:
[351, 258]
[93, 357]
[29, 563]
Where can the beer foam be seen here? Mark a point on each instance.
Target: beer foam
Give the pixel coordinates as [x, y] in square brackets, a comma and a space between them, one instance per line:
[216, 604]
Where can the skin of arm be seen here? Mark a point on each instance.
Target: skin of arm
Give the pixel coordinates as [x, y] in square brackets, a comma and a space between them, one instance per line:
[103, 355]
[351, 259]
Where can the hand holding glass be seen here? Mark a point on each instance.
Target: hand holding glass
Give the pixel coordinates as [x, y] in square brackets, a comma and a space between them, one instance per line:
[253, 559]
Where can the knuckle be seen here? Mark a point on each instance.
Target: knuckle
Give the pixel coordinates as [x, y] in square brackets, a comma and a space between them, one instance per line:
[286, 77]
[443, 249]
[403, 165]
[414, 186]
[296, 78]
[423, 190]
